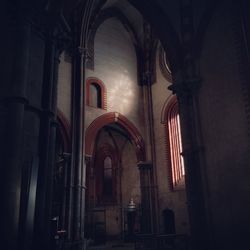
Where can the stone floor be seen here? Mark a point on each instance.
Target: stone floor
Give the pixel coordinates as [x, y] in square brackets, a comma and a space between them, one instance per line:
[113, 245]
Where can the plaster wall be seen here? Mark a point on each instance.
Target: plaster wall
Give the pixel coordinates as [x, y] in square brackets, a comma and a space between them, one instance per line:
[116, 66]
[225, 131]
[175, 200]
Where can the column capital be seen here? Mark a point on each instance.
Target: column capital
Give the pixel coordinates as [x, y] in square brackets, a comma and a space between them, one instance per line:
[66, 156]
[145, 165]
[186, 87]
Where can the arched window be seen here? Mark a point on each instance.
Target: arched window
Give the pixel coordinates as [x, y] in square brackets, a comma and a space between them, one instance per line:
[96, 93]
[107, 177]
[175, 158]
[95, 99]
[105, 165]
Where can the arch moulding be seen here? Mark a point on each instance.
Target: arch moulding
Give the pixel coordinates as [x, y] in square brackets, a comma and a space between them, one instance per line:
[114, 117]
[170, 102]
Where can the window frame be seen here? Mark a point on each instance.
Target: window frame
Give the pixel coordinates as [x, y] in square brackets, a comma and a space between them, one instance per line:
[102, 153]
[175, 161]
[103, 95]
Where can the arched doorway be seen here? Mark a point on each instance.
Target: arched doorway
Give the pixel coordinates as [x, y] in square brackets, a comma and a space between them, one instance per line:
[114, 147]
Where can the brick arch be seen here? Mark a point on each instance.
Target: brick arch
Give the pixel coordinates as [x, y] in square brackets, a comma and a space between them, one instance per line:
[114, 117]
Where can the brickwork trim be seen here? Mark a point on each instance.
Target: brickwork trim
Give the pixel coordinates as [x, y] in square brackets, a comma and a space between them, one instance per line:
[114, 117]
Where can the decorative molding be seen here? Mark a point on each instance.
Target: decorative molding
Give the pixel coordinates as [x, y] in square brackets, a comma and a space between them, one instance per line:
[101, 121]
[147, 62]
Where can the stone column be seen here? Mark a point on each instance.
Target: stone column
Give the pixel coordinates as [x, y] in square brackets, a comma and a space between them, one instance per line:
[147, 81]
[12, 102]
[78, 161]
[43, 218]
[187, 89]
[193, 153]
[145, 169]
[90, 195]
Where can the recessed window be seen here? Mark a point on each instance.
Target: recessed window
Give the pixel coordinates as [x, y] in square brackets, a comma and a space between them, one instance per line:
[96, 93]
[107, 177]
[175, 157]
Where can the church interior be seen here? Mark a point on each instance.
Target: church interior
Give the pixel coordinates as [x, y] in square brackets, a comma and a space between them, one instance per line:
[125, 122]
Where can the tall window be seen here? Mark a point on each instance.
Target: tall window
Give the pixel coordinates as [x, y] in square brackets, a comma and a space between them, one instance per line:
[175, 145]
[96, 93]
[105, 163]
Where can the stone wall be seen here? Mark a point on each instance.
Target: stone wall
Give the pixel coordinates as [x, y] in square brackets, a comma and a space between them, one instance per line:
[116, 66]
[223, 109]
[175, 200]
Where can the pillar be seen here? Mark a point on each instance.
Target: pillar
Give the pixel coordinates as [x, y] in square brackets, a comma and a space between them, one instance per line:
[78, 174]
[12, 102]
[147, 79]
[47, 145]
[145, 169]
[194, 161]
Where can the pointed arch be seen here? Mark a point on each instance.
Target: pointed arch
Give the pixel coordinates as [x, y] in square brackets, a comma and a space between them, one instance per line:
[164, 29]
[101, 18]
[114, 117]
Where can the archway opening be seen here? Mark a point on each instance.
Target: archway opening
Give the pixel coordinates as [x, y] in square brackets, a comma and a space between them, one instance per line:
[113, 179]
